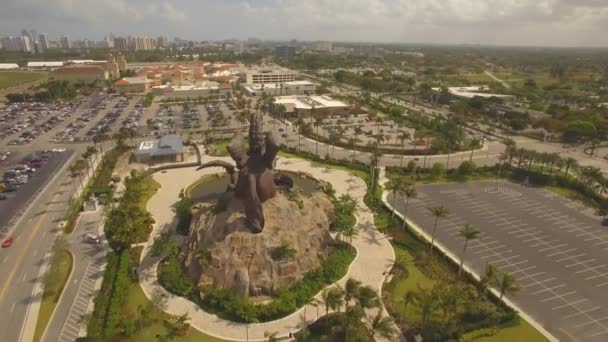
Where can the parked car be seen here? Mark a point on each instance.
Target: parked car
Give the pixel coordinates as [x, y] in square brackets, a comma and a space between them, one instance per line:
[8, 242]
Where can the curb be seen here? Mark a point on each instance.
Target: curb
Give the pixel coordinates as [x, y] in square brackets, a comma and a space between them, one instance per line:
[455, 259]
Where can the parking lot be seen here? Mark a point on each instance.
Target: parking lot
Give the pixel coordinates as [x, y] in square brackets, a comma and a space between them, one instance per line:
[556, 248]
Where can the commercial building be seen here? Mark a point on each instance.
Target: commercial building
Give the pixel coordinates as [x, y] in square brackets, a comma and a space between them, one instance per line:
[474, 91]
[280, 89]
[269, 75]
[44, 65]
[8, 66]
[131, 85]
[284, 52]
[164, 150]
[80, 73]
[205, 90]
[303, 105]
[44, 41]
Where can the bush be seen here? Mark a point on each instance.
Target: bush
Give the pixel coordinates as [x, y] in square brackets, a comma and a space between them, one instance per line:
[475, 334]
[438, 170]
[172, 276]
[467, 168]
[183, 210]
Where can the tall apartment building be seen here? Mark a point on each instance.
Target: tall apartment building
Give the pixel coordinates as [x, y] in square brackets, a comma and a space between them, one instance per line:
[121, 43]
[323, 46]
[44, 41]
[16, 43]
[270, 75]
[284, 52]
[144, 43]
[162, 41]
[64, 42]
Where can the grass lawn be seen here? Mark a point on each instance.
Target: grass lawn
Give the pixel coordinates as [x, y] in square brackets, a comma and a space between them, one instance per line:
[573, 195]
[13, 78]
[358, 173]
[219, 149]
[523, 331]
[479, 78]
[54, 282]
[135, 299]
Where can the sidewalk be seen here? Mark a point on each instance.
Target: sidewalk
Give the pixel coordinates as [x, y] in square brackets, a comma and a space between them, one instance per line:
[375, 255]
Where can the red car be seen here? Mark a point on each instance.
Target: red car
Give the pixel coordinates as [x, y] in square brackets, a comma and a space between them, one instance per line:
[8, 242]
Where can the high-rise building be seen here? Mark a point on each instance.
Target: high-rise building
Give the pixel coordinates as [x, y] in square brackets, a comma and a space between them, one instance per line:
[121, 43]
[44, 41]
[162, 41]
[64, 42]
[17, 43]
[323, 46]
[284, 52]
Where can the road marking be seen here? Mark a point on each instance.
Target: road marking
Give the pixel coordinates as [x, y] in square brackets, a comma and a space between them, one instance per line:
[23, 250]
[13, 307]
[571, 304]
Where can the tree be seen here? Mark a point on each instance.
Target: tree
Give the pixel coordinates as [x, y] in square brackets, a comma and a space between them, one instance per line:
[507, 284]
[439, 213]
[489, 277]
[578, 130]
[409, 193]
[319, 118]
[468, 233]
[351, 290]
[474, 145]
[396, 184]
[403, 136]
[382, 326]
[467, 168]
[367, 297]
[405, 301]
[570, 164]
[332, 299]
[437, 171]
[510, 148]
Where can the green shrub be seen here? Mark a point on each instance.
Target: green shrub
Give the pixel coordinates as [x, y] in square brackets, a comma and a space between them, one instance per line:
[475, 334]
[467, 168]
[183, 211]
[173, 277]
[438, 170]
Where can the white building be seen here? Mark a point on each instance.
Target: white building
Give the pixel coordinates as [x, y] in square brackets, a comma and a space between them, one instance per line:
[44, 65]
[321, 103]
[287, 88]
[273, 74]
[474, 91]
[64, 42]
[8, 66]
[16, 43]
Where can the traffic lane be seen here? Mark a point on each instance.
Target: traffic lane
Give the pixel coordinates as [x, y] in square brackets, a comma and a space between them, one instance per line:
[18, 201]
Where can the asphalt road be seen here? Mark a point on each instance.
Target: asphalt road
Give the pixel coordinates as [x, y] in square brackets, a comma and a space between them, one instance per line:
[20, 264]
[17, 201]
[556, 248]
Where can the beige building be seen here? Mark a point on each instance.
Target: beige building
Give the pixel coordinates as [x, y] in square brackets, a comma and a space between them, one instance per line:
[273, 74]
[80, 73]
[130, 85]
[192, 91]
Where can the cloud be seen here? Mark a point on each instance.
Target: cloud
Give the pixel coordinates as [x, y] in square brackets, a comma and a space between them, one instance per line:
[526, 22]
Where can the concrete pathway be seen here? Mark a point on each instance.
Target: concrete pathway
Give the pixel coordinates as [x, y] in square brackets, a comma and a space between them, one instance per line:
[375, 255]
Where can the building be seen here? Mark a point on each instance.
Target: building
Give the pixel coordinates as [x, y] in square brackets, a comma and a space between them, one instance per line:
[205, 90]
[130, 85]
[303, 105]
[121, 43]
[8, 66]
[280, 89]
[44, 65]
[474, 91]
[80, 73]
[44, 42]
[16, 43]
[323, 46]
[270, 75]
[284, 52]
[162, 42]
[164, 150]
[64, 42]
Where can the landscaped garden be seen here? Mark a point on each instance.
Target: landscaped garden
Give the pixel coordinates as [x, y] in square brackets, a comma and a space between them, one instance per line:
[13, 78]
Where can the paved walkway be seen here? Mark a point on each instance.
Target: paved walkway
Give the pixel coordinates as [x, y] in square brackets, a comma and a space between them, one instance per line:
[374, 259]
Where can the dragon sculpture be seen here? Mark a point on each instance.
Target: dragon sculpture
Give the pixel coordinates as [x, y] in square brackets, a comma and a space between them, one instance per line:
[252, 179]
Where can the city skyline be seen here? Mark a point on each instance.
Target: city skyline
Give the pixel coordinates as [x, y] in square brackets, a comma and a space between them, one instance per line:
[522, 23]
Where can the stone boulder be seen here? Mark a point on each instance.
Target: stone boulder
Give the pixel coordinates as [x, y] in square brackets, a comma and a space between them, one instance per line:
[222, 252]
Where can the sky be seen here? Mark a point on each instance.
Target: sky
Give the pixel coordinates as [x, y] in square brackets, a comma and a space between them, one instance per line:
[488, 22]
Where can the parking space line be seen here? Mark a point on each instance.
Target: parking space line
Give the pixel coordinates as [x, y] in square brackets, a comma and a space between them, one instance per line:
[549, 289]
[597, 276]
[561, 252]
[590, 269]
[570, 257]
[524, 269]
[581, 312]
[531, 275]
[572, 304]
[591, 322]
[552, 247]
[537, 282]
[580, 262]
[561, 296]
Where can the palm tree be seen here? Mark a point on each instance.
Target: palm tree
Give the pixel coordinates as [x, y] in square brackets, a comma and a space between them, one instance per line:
[318, 122]
[351, 290]
[510, 148]
[358, 131]
[300, 125]
[332, 299]
[427, 303]
[409, 193]
[395, 185]
[507, 284]
[403, 136]
[468, 233]
[382, 326]
[474, 144]
[76, 172]
[367, 297]
[489, 277]
[439, 213]
[407, 299]
[570, 164]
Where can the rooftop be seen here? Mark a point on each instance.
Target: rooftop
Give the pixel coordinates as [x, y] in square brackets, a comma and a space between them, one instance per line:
[167, 145]
[306, 102]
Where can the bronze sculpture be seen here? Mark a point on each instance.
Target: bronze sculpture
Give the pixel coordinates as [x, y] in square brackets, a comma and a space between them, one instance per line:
[252, 180]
